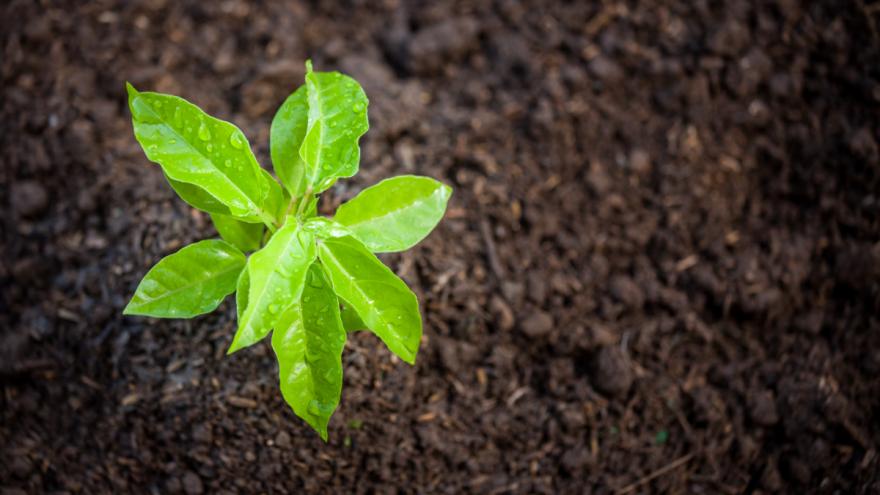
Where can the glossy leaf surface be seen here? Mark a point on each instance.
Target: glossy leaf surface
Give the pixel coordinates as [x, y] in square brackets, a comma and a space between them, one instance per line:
[190, 282]
[194, 148]
[395, 214]
[382, 300]
[308, 342]
[197, 197]
[351, 321]
[276, 275]
[276, 197]
[241, 293]
[325, 228]
[285, 138]
[337, 119]
[244, 236]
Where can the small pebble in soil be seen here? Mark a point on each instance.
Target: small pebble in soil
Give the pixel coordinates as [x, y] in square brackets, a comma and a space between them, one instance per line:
[606, 69]
[640, 161]
[502, 313]
[29, 198]
[192, 484]
[625, 290]
[282, 440]
[537, 325]
[762, 408]
[612, 373]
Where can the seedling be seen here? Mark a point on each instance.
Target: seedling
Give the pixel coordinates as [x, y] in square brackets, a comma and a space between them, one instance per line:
[308, 279]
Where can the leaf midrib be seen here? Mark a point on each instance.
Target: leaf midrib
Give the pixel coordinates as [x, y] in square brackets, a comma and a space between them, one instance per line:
[254, 303]
[311, 381]
[342, 269]
[418, 202]
[316, 168]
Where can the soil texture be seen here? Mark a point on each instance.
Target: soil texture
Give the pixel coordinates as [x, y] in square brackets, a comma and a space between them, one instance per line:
[659, 272]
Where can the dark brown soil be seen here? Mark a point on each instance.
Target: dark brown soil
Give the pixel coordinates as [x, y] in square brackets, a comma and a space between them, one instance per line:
[660, 271]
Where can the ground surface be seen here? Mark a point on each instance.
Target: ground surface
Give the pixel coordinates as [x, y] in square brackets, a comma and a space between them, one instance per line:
[660, 265]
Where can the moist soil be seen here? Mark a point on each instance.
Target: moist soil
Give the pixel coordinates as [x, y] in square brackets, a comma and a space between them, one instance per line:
[660, 270]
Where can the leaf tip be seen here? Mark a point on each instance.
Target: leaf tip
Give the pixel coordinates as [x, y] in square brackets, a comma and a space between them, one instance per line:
[234, 346]
[408, 358]
[447, 190]
[308, 66]
[132, 92]
[131, 309]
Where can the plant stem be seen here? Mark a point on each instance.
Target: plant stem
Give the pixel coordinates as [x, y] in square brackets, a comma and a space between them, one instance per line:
[305, 200]
[269, 220]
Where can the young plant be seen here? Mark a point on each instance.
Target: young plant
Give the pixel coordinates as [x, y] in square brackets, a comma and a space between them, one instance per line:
[308, 279]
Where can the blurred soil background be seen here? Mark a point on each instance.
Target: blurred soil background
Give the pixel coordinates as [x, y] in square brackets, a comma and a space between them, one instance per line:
[660, 270]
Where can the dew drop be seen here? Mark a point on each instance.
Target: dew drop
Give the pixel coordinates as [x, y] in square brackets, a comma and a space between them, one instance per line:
[358, 107]
[172, 141]
[273, 308]
[235, 140]
[314, 407]
[204, 133]
[227, 163]
[210, 147]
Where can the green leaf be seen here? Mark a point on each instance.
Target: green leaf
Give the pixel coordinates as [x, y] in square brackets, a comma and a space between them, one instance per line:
[276, 275]
[337, 119]
[285, 138]
[395, 214]
[351, 321]
[244, 236]
[197, 197]
[190, 282]
[383, 301]
[308, 341]
[194, 148]
[242, 287]
[277, 198]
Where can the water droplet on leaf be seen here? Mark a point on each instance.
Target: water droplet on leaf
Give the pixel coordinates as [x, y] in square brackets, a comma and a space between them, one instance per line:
[235, 140]
[204, 133]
